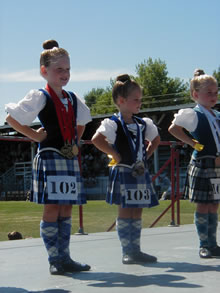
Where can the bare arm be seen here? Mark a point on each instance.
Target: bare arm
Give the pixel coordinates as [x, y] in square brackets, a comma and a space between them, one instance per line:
[101, 143]
[80, 131]
[152, 146]
[35, 135]
[179, 133]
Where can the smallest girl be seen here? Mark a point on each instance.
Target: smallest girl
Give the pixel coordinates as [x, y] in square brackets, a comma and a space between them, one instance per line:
[203, 175]
[123, 137]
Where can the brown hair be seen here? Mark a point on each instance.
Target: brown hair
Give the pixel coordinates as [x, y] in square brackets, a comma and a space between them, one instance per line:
[199, 80]
[51, 52]
[124, 85]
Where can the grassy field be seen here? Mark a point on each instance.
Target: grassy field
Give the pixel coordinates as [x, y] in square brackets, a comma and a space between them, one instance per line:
[97, 217]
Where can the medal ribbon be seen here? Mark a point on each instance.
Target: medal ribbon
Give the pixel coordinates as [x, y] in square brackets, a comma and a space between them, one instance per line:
[134, 149]
[66, 118]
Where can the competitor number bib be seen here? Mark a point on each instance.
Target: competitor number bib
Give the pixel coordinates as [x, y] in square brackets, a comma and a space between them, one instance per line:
[137, 196]
[62, 188]
[216, 188]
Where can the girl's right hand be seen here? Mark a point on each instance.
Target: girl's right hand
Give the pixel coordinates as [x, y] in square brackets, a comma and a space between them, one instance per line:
[41, 134]
[114, 159]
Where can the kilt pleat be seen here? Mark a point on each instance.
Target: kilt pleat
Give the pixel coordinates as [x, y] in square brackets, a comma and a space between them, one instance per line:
[198, 186]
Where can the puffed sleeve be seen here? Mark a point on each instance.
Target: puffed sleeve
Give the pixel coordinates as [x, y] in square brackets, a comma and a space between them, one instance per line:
[83, 116]
[108, 128]
[186, 118]
[27, 109]
[151, 129]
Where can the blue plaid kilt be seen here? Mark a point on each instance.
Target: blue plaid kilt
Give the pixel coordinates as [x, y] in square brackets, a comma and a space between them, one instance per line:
[198, 186]
[128, 191]
[50, 164]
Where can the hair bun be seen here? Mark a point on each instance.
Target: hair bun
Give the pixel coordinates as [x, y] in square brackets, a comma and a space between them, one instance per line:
[123, 78]
[199, 72]
[50, 44]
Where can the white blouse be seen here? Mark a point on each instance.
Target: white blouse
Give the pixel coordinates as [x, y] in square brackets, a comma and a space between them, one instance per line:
[108, 128]
[186, 118]
[27, 109]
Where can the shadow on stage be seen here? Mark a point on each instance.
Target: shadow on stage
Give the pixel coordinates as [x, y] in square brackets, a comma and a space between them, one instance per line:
[20, 290]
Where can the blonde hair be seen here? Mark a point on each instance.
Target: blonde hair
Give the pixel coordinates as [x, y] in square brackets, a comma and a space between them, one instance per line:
[51, 52]
[199, 80]
[123, 86]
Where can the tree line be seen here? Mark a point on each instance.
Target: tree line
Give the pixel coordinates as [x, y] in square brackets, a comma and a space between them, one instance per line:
[158, 89]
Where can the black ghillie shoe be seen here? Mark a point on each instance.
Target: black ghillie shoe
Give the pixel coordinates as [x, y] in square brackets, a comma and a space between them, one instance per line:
[74, 266]
[141, 257]
[56, 269]
[204, 253]
[215, 252]
[138, 257]
[127, 259]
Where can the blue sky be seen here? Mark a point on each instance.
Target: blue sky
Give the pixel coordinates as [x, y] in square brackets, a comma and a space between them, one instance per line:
[105, 38]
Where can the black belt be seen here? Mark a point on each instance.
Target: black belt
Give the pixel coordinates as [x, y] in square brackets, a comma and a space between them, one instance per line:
[205, 162]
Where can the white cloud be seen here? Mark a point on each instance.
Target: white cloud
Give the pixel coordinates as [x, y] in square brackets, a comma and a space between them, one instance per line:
[33, 75]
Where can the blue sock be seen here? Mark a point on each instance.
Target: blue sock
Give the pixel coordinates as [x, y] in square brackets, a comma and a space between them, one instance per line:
[124, 232]
[136, 226]
[49, 234]
[201, 222]
[64, 233]
[212, 229]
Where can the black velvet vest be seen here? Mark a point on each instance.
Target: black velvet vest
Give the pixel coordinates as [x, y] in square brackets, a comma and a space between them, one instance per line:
[49, 120]
[121, 144]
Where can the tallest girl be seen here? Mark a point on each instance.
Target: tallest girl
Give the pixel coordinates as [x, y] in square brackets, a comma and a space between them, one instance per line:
[203, 176]
[56, 181]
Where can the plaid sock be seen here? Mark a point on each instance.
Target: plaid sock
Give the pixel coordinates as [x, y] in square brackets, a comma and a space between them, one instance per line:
[201, 222]
[124, 232]
[212, 229]
[136, 226]
[64, 233]
[49, 234]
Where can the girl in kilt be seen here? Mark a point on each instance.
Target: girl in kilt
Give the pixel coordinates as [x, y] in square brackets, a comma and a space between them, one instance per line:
[203, 175]
[123, 137]
[56, 181]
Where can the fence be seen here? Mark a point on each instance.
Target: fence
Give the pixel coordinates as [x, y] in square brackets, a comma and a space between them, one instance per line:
[22, 171]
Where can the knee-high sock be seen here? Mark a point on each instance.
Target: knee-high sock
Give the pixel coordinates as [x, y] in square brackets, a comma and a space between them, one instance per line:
[64, 233]
[212, 229]
[201, 222]
[49, 234]
[124, 233]
[136, 226]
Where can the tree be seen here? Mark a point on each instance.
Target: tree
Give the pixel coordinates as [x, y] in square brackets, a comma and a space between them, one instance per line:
[92, 96]
[158, 88]
[104, 103]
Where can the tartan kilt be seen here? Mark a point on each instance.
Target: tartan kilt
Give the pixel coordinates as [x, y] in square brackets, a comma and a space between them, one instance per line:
[198, 186]
[121, 179]
[51, 163]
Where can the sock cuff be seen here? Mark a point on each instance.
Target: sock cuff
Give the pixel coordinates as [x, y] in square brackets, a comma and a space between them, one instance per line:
[122, 222]
[44, 224]
[66, 220]
[137, 223]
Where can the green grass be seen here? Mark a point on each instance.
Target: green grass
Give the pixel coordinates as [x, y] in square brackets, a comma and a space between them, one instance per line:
[98, 216]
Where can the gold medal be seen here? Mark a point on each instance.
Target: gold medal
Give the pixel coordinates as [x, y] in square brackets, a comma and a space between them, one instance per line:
[69, 151]
[138, 169]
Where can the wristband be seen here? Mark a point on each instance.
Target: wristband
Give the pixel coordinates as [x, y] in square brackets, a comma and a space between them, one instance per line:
[112, 162]
[198, 147]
